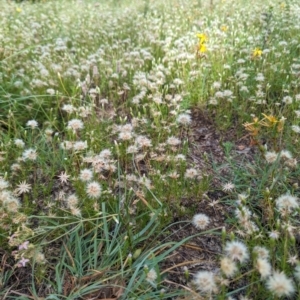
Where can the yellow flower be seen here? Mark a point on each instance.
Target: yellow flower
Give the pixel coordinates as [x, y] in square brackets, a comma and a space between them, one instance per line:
[271, 121]
[202, 48]
[224, 28]
[257, 52]
[252, 127]
[202, 37]
[282, 5]
[18, 9]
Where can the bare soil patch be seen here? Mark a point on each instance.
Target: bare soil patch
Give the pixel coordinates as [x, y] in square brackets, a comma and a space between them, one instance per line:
[203, 252]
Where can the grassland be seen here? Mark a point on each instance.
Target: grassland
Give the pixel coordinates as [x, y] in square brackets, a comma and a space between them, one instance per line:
[134, 132]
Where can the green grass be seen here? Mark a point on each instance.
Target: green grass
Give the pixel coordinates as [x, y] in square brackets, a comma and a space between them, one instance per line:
[96, 111]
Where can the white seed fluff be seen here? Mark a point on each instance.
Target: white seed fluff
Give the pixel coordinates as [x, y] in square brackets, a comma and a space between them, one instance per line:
[93, 189]
[280, 285]
[200, 221]
[237, 251]
[205, 282]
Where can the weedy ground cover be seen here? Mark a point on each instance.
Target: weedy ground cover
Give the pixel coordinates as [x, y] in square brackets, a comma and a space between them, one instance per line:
[105, 172]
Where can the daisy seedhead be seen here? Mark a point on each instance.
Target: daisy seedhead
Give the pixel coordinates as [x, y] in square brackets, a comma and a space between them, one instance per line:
[29, 154]
[261, 252]
[12, 204]
[200, 221]
[184, 119]
[286, 155]
[75, 211]
[63, 177]
[293, 260]
[19, 143]
[190, 173]
[32, 124]
[280, 285]
[271, 157]
[173, 141]
[237, 251]
[80, 145]
[3, 184]
[75, 124]
[86, 175]
[274, 235]
[297, 272]
[143, 142]
[72, 201]
[93, 189]
[205, 282]
[287, 203]
[263, 267]
[228, 266]
[217, 85]
[69, 108]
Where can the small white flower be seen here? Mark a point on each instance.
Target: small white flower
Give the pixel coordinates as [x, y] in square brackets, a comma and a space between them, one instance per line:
[32, 123]
[66, 145]
[23, 187]
[50, 91]
[151, 276]
[296, 128]
[69, 108]
[228, 187]
[190, 173]
[63, 177]
[19, 143]
[29, 154]
[274, 235]
[287, 100]
[217, 85]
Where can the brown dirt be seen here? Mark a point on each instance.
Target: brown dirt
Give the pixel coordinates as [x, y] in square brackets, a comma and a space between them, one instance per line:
[203, 252]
